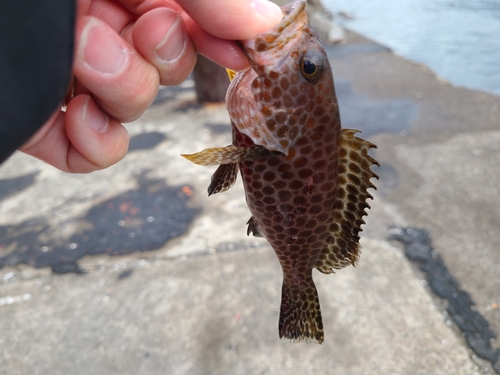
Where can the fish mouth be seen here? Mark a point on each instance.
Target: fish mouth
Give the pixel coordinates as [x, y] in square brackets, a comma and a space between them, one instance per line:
[270, 45]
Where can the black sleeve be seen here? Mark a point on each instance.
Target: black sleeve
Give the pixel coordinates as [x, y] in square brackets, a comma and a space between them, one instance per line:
[36, 55]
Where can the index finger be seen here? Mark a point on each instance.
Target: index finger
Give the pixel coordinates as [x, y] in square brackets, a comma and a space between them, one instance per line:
[233, 19]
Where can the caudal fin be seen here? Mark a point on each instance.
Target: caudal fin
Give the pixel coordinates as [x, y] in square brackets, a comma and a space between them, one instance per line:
[300, 313]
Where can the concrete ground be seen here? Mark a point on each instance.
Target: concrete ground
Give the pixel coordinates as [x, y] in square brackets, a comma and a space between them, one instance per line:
[134, 270]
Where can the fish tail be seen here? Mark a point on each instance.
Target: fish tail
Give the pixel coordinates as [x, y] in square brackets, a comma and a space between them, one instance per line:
[300, 313]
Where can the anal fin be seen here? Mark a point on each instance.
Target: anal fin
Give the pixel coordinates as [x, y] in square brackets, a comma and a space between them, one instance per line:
[223, 178]
[342, 248]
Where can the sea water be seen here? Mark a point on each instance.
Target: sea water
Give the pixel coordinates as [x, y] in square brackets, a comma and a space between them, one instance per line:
[458, 39]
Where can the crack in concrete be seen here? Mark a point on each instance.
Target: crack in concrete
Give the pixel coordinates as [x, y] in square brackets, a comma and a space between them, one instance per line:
[476, 330]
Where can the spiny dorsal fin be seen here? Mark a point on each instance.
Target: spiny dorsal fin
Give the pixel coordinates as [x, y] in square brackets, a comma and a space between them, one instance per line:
[223, 178]
[343, 247]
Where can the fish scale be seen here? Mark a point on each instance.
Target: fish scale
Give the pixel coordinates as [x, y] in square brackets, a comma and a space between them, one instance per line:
[305, 178]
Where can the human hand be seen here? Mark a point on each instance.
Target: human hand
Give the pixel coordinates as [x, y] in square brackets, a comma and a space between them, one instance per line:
[124, 50]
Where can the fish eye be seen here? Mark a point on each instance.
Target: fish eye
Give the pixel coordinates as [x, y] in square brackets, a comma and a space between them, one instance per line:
[309, 67]
[312, 66]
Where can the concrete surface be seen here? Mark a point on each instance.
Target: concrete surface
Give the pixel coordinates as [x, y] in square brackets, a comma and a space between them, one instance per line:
[217, 314]
[188, 292]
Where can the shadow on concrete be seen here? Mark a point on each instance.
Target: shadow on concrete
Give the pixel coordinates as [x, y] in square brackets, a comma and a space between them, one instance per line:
[143, 219]
[10, 186]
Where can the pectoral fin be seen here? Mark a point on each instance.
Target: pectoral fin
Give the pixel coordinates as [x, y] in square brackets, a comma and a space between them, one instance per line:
[221, 155]
[227, 155]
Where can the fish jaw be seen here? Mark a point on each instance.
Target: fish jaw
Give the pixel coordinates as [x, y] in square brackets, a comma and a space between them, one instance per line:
[271, 102]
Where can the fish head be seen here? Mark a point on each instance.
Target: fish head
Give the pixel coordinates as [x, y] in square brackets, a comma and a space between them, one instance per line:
[273, 102]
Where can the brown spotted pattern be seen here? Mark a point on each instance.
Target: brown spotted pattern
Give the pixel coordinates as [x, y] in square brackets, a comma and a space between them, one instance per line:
[305, 178]
[292, 200]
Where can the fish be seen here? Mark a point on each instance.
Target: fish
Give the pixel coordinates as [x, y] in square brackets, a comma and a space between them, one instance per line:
[305, 178]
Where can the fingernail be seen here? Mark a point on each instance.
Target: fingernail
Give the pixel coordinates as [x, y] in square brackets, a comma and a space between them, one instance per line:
[93, 116]
[267, 9]
[101, 50]
[173, 42]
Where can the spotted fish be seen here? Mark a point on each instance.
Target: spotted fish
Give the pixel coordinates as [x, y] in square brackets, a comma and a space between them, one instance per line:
[305, 178]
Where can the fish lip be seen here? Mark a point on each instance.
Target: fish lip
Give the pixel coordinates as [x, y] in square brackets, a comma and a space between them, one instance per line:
[293, 9]
[291, 12]
[286, 30]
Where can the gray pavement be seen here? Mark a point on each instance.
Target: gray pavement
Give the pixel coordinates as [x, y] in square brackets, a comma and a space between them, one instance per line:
[173, 285]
